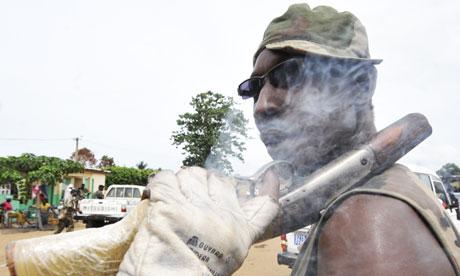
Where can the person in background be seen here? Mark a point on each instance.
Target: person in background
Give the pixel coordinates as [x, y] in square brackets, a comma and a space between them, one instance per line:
[99, 194]
[7, 207]
[67, 212]
[44, 210]
[82, 192]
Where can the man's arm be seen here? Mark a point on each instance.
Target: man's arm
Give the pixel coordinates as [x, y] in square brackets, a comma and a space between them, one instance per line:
[376, 235]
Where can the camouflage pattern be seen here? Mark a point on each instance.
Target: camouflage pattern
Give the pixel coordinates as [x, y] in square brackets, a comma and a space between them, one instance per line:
[66, 215]
[398, 183]
[65, 220]
[321, 31]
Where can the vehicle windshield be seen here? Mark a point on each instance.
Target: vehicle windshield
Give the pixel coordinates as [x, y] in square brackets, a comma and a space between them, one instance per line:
[129, 192]
[120, 192]
[425, 180]
[136, 193]
[111, 193]
[440, 191]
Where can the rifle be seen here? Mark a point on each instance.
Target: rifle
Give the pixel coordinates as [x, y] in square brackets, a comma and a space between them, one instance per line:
[303, 205]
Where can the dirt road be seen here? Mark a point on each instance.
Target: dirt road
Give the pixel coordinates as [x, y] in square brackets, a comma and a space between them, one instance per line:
[260, 261]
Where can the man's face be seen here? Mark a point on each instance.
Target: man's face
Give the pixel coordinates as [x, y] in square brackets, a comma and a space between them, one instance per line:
[305, 121]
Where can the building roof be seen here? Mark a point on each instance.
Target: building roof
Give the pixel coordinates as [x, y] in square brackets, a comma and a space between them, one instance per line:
[96, 170]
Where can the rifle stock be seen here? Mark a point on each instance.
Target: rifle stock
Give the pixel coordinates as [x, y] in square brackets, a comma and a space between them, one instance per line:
[302, 206]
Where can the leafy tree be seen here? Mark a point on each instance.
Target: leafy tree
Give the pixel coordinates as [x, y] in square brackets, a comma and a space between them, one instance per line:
[125, 175]
[84, 156]
[212, 133]
[22, 190]
[25, 169]
[8, 175]
[106, 162]
[141, 165]
[448, 170]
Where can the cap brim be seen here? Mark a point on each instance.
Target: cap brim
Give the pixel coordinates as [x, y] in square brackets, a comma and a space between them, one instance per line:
[303, 47]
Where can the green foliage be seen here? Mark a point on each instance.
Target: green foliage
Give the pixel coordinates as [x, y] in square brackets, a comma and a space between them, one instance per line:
[456, 186]
[28, 168]
[22, 190]
[125, 175]
[212, 133]
[106, 162]
[8, 175]
[141, 165]
[448, 169]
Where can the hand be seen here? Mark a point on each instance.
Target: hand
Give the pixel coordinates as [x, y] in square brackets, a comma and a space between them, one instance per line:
[196, 226]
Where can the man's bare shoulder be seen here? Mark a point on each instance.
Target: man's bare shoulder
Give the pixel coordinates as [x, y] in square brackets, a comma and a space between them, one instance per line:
[378, 235]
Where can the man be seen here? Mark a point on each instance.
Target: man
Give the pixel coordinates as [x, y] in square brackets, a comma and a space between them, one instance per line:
[66, 213]
[44, 208]
[82, 192]
[7, 208]
[99, 194]
[312, 86]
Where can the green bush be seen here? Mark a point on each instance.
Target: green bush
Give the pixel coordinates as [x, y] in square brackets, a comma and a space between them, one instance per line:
[125, 175]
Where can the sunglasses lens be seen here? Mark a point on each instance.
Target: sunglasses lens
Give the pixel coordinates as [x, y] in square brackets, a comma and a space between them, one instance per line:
[250, 88]
[286, 74]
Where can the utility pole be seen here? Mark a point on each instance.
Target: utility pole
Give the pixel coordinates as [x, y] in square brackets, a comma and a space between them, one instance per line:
[76, 148]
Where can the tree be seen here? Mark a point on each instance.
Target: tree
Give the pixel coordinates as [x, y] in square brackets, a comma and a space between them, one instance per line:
[449, 169]
[26, 169]
[84, 156]
[141, 165]
[212, 133]
[125, 175]
[106, 162]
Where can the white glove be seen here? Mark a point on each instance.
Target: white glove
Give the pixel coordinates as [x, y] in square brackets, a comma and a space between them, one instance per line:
[196, 226]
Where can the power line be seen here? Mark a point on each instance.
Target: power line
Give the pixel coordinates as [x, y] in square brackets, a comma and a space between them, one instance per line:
[36, 139]
[77, 144]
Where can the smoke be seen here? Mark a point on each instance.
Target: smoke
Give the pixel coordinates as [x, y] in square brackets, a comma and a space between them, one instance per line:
[325, 111]
[229, 145]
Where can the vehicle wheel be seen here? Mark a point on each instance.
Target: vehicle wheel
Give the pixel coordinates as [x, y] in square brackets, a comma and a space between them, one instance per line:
[90, 224]
[94, 223]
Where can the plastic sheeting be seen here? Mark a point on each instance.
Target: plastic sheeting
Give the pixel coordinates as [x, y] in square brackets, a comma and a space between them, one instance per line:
[96, 251]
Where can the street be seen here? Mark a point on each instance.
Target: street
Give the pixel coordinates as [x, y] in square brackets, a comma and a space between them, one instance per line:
[260, 261]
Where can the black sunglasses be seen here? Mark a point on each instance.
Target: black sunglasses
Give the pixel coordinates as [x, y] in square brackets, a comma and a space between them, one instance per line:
[283, 75]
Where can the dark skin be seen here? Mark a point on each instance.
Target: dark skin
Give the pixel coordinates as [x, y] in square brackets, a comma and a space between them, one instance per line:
[392, 241]
[368, 234]
[316, 119]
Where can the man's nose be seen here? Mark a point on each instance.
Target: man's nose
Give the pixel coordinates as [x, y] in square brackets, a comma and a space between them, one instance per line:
[269, 103]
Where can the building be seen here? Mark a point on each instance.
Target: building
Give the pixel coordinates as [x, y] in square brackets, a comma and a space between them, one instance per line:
[91, 178]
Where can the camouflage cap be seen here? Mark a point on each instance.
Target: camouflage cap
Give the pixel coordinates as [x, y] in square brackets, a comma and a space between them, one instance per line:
[321, 31]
